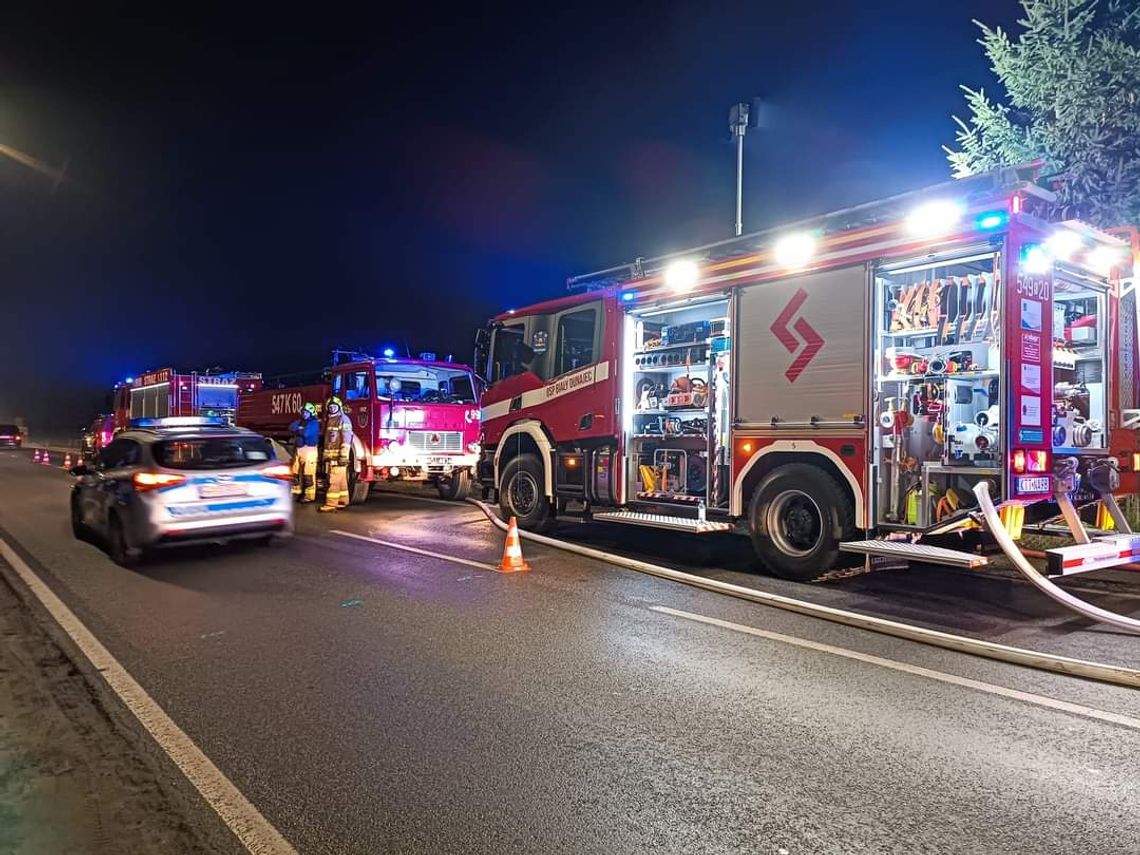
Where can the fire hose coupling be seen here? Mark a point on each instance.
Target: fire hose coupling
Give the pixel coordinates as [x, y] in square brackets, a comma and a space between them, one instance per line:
[1104, 475]
[1066, 479]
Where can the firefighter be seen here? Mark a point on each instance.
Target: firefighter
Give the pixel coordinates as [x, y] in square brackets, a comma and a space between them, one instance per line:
[306, 432]
[338, 444]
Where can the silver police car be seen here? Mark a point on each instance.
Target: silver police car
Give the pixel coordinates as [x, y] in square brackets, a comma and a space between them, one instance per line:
[165, 482]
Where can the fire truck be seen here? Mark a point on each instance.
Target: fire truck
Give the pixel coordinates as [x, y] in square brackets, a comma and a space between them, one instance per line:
[863, 385]
[413, 419]
[164, 392]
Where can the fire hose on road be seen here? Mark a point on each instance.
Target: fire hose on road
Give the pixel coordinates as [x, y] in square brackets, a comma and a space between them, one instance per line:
[1102, 672]
[1044, 585]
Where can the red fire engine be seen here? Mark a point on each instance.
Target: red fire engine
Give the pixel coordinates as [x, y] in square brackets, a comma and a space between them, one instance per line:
[164, 393]
[852, 383]
[414, 419]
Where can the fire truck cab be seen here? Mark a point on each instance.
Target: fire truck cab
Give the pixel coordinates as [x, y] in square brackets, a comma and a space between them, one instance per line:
[840, 387]
[413, 419]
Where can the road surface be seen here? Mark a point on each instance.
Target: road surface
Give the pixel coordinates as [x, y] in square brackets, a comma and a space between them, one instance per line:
[367, 698]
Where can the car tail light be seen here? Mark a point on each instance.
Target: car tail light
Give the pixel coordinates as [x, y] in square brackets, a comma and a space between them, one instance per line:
[280, 471]
[156, 480]
[1037, 461]
[1018, 460]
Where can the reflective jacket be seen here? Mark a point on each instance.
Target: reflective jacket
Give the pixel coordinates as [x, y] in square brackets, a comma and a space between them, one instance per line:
[338, 438]
[306, 431]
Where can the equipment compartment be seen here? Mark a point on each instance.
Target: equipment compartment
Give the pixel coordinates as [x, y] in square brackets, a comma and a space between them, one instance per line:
[937, 391]
[677, 424]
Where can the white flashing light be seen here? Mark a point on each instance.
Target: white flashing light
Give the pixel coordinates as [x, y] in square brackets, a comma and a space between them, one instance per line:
[681, 276]
[1103, 258]
[1063, 244]
[389, 353]
[934, 218]
[794, 251]
[1037, 260]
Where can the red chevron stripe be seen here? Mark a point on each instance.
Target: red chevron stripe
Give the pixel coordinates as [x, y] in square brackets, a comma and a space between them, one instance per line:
[813, 345]
[780, 326]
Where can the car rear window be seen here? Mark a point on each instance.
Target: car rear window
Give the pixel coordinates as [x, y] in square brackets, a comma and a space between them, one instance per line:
[9, 430]
[222, 452]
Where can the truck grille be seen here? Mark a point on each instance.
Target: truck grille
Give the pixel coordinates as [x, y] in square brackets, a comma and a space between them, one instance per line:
[436, 441]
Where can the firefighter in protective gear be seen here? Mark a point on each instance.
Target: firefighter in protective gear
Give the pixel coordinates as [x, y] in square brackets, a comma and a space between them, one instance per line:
[306, 432]
[338, 444]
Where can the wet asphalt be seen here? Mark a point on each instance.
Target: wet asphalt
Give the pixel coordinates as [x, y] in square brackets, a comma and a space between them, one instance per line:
[369, 699]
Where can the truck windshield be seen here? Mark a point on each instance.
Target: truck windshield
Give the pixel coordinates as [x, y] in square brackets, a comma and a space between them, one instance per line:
[221, 452]
[427, 386]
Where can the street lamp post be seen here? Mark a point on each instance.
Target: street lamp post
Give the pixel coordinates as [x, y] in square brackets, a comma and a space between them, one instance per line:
[741, 117]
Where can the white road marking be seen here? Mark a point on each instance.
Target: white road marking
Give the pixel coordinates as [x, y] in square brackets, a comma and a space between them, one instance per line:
[415, 549]
[916, 670]
[240, 816]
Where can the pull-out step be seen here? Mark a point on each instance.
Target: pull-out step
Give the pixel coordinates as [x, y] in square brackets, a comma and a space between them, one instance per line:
[663, 521]
[914, 552]
[1107, 551]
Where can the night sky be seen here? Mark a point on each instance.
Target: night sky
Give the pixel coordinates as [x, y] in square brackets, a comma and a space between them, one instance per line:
[248, 189]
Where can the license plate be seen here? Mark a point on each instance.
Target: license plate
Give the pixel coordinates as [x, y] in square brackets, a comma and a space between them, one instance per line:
[1039, 484]
[438, 461]
[217, 491]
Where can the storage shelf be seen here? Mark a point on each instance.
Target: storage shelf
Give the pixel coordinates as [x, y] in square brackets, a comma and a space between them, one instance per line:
[701, 436]
[703, 343]
[922, 378]
[670, 411]
[680, 366]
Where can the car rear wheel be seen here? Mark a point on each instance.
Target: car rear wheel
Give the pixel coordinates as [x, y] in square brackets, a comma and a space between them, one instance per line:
[457, 487]
[523, 496]
[118, 545]
[78, 527]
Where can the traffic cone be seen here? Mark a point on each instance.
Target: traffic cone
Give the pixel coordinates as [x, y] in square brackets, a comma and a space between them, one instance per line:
[513, 561]
[36, 456]
[67, 460]
[46, 459]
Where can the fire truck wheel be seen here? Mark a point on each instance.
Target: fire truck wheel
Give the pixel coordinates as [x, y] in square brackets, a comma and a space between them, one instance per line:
[798, 516]
[457, 487]
[521, 494]
[358, 488]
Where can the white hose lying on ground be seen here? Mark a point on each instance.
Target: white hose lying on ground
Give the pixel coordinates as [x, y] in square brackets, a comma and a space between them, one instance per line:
[1099, 671]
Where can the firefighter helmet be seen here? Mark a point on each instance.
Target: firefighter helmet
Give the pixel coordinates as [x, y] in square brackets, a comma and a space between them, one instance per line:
[309, 408]
[334, 401]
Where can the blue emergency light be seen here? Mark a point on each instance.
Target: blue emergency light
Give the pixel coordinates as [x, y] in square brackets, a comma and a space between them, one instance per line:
[181, 421]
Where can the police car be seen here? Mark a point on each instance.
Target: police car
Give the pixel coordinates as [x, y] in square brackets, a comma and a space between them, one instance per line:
[165, 482]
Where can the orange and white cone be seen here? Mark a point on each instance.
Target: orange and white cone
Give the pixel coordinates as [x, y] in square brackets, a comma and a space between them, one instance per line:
[46, 459]
[36, 456]
[513, 561]
[67, 460]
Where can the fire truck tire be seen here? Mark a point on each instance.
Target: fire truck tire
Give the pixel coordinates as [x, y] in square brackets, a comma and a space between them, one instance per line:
[456, 488]
[797, 518]
[358, 488]
[522, 495]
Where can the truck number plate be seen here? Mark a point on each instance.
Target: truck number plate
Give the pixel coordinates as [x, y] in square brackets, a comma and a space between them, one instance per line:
[1035, 484]
[217, 491]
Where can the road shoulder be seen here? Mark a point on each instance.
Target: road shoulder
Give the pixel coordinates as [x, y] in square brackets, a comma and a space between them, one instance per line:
[70, 779]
